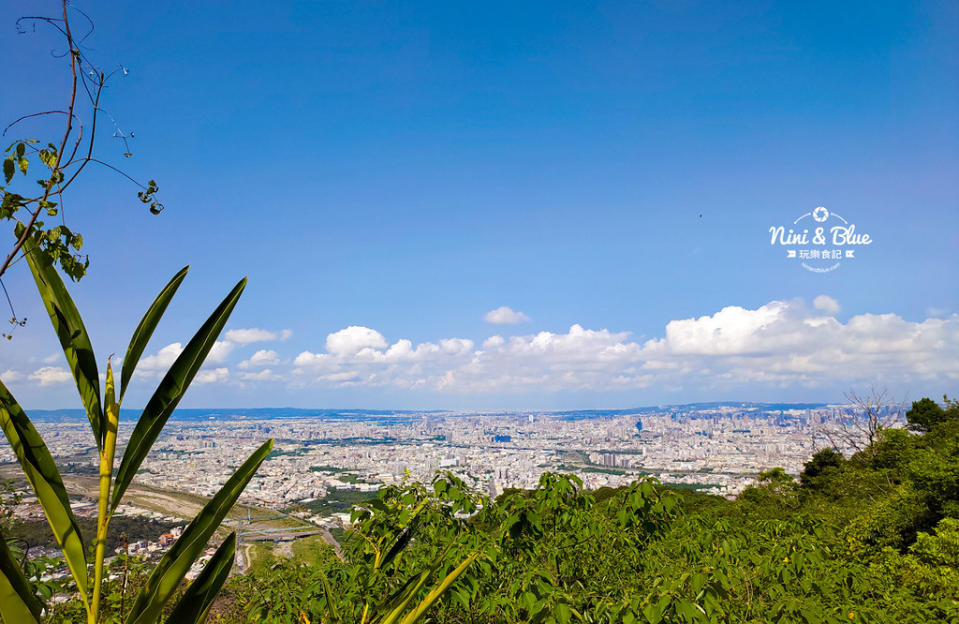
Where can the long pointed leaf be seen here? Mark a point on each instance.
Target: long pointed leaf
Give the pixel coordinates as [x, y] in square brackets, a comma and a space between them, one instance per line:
[196, 602]
[394, 605]
[170, 391]
[438, 591]
[71, 333]
[42, 473]
[330, 603]
[392, 608]
[175, 563]
[18, 605]
[145, 329]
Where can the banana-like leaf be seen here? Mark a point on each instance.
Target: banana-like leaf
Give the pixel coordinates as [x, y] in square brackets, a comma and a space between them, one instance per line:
[18, 605]
[42, 473]
[72, 334]
[173, 566]
[170, 391]
[145, 329]
[196, 602]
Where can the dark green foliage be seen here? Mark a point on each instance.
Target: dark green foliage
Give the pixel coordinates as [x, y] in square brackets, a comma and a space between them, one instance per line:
[924, 414]
[36, 533]
[820, 468]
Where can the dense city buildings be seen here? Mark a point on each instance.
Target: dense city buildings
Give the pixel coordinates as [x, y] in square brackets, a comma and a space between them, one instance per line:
[718, 447]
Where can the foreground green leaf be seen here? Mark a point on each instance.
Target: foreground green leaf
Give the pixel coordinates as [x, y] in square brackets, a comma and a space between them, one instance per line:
[71, 332]
[438, 591]
[170, 391]
[41, 471]
[174, 565]
[198, 598]
[18, 605]
[145, 329]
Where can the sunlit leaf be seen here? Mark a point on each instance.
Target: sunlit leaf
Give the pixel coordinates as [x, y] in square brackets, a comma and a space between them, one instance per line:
[170, 391]
[42, 473]
[198, 598]
[71, 332]
[18, 605]
[145, 329]
[177, 561]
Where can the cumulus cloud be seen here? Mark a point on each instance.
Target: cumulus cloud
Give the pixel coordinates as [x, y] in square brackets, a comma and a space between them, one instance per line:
[49, 375]
[220, 351]
[782, 344]
[354, 339]
[263, 357]
[313, 360]
[211, 375]
[827, 304]
[162, 360]
[11, 376]
[264, 375]
[255, 334]
[505, 315]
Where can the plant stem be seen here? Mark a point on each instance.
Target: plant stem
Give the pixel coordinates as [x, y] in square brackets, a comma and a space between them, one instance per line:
[103, 512]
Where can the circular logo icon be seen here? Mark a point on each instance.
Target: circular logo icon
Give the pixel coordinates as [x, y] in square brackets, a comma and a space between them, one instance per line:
[820, 214]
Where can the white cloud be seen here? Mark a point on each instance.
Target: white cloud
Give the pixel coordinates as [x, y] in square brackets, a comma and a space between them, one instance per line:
[211, 375]
[11, 376]
[263, 357]
[220, 351]
[162, 360]
[51, 375]
[354, 339]
[827, 304]
[780, 344]
[53, 357]
[255, 334]
[264, 375]
[313, 360]
[504, 315]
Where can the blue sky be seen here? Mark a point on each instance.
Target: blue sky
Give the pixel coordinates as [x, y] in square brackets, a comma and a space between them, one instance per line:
[404, 170]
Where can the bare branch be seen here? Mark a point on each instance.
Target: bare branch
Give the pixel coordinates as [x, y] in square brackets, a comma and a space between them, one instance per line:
[859, 427]
[15, 122]
[66, 136]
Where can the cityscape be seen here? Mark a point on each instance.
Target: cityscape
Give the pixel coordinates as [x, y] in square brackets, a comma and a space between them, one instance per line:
[717, 448]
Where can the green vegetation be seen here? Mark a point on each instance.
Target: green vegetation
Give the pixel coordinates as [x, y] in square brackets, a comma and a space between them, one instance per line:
[600, 470]
[313, 551]
[36, 533]
[870, 538]
[337, 501]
